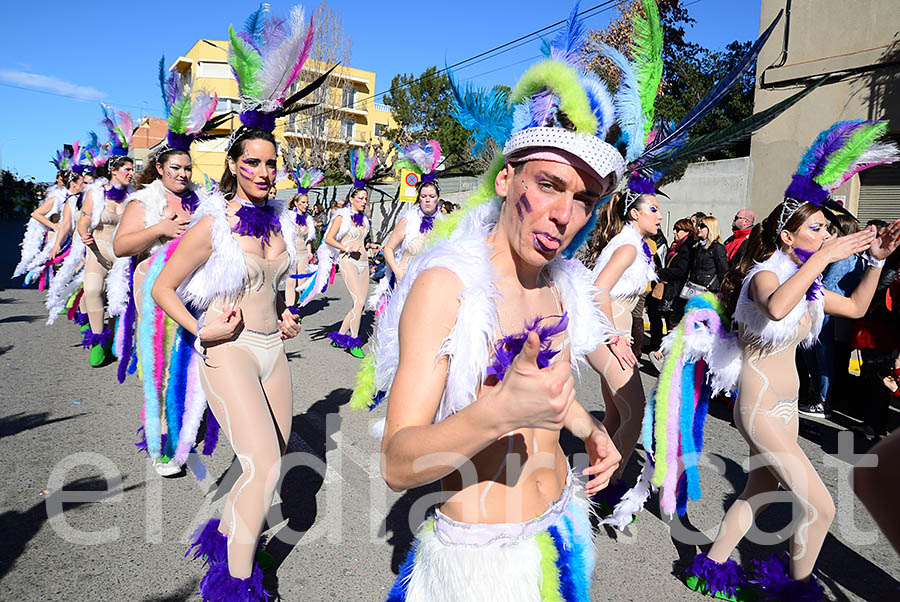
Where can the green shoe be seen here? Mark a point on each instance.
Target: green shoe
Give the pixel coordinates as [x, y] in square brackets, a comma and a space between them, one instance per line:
[84, 327]
[98, 355]
[698, 584]
[357, 352]
[335, 345]
[264, 559]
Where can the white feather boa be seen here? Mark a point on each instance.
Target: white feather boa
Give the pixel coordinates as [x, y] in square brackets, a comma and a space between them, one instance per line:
[31, 244]
[224, 274]
[67, 279]
[758, 329]
[469, 344]
[638, 275]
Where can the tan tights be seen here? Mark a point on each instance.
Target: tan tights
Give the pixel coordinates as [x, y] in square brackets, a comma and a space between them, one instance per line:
[356, 276]
[623, 392]
[248, 385]
[291, 285]
[766, 416]
[95, 282]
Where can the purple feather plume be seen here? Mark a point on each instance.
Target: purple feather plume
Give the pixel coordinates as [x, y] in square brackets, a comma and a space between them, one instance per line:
[116, 194]
[344, 341]
[815, 289]
[358, 219]
[641, 185]
[803, 188]
[211, 438]
[426, 224]
[774, 583]
[142, 442]
[647, 252]
[90, 339]
[128, 325]
[507, 348]
[543, 108]
[828, 141]
[720, 576]
[301, 219]
[190, 201]
[258, 221]
[219, 586]
[209, 543]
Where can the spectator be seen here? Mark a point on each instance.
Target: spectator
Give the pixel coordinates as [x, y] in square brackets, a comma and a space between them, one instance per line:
[695, 219]
[740, 232]
[709, 262]
[446, 207]
[674, 275]
[830, 355]
[654, 299]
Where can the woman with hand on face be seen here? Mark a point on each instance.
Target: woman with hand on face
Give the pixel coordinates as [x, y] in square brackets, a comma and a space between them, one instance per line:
[306, 233]
[778, 302]
[407, 240]
[623, 267]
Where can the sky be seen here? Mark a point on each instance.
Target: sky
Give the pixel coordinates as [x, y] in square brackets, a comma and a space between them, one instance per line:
[51, 83]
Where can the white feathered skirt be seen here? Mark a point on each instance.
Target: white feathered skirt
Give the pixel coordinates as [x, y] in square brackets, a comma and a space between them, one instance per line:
[549, 558]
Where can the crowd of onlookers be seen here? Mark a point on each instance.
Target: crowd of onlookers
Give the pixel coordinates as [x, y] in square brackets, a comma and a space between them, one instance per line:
[697, 258]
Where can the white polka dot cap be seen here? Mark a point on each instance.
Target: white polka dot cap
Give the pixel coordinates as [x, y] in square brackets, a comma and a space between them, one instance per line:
[600, 156]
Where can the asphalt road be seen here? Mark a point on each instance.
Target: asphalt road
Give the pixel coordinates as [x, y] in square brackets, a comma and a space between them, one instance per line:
[84, 516]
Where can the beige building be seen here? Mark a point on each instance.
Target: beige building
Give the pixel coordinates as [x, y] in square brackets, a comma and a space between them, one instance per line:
[857, 42]
[347, 115]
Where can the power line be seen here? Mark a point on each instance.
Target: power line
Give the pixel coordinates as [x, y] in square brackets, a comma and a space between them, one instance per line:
[72, 96]
[480, 57]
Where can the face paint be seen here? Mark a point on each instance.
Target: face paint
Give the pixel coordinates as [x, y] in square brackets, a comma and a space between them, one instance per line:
[523, 204]
[247, 174]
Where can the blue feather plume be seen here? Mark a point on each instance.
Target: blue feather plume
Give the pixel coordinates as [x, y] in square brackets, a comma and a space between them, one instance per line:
[601, 103]
[162, 85]
[677, 135]
[254, 27]
[486, 112]
[569, 42]
[627, 101]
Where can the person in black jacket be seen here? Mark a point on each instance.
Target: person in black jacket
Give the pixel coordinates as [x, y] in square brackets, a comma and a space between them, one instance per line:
[710, 262]
[675, 272]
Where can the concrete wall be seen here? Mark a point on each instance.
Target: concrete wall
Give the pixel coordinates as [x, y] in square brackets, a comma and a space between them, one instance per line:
[858, 41]
[717, 188]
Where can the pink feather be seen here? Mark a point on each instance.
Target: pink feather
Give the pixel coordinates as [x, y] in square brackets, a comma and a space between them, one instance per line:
[667, 501]
[301, 59]
[203, 106]
[159, 337]
[436, 146]
[127, 125]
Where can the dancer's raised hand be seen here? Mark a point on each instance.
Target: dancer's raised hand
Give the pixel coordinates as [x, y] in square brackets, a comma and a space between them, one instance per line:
[222, 327]
[886, 242]
[837, 248]
[536, 397]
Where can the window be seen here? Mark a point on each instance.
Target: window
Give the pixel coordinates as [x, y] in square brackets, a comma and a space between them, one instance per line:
[214, 69]
[380, 129]
[348, 97]
[226, 104]
[138, 165]
[347, 129]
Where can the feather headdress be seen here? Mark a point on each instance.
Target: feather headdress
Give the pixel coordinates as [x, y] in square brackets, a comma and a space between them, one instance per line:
[362, 167]
[555, 105]
[94, 154]
[187, 116]
[266, 58]
[308, 178]
[64, 159]
[840, 151]
[422, 159]
[120, 127]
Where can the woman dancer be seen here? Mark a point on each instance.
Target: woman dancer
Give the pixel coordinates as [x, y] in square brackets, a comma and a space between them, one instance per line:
[306, 231]
[623, 267]
[778, 303]
[407, 240]
[228, 267]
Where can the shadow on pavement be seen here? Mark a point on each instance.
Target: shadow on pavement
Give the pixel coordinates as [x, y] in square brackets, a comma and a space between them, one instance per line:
[185, 593]
[17, 423]
[18, 528]
[397, 522]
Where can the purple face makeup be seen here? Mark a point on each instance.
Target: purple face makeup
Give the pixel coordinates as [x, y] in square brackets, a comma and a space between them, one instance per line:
[247, 174]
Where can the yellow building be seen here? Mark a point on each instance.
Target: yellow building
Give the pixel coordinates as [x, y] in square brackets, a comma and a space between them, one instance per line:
[347, 115]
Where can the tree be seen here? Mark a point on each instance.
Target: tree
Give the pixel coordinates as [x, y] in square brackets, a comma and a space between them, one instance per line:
[321, 142]
[689, 70]
[422, 107]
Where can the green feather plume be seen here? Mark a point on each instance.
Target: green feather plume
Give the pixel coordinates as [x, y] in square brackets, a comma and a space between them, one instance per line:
[247, 64]
[178, 114]
[564, 82]
[646, 55]
[444, 227]
[364, 392]
[841, 160]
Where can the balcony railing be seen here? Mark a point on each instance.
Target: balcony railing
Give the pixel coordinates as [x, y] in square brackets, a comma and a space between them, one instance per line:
[380, 106]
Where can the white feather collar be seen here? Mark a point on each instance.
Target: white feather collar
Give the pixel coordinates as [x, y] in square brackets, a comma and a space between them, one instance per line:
[638, 275]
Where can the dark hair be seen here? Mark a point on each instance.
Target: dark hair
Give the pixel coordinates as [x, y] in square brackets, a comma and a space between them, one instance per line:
[150, 174]
[763, 241]
[114, 163]
[846, 224]
[68, 177]
[699, 215]
[421, 185]
[686, 225]
[293, 202]
[228, 184]
[353, 192]
[612, 218]
[447, 206]
[878, 223]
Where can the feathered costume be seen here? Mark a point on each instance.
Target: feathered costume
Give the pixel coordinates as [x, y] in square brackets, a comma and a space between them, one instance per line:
[423, 161]
[551, 557]
[362, 168]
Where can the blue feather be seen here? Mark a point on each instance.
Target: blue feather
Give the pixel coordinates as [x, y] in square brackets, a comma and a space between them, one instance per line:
[686, 422]
[254, 26]
[563, 565]
[601, 103]
[162, 85]
[486, 112]
[582, 235]
[677, 136]
[694, 491]
[629, 112]
[569, 42]
[176, 387]
[398, 591]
